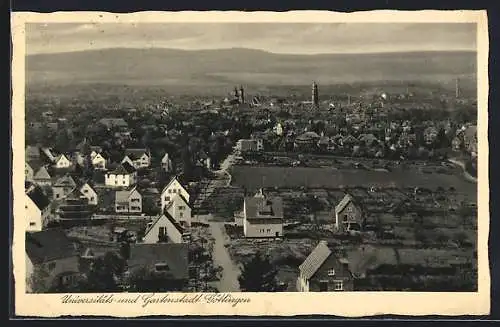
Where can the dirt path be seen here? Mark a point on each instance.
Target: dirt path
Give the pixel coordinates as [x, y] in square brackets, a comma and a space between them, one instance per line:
[462, 165]
[230, 273]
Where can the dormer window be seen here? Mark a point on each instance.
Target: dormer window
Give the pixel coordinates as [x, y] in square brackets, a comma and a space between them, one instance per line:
[160, 267]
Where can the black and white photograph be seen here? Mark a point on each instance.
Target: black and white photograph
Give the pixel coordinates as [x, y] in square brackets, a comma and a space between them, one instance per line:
[229, 158]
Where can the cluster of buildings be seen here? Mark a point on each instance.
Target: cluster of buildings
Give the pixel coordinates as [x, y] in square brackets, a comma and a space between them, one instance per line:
[57, 191]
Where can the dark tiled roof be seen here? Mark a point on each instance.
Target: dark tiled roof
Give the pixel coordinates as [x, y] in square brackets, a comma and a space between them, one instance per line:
[123, 169]
[66, 180]
[261, 207]
[177, 226]
[38, 197]
[135, 153]
[48, 245]
[314, 261]
[173, 254]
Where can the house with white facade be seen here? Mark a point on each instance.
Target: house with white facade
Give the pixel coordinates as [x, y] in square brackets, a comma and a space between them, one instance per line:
[88, 191]
[165, 229]
[170, 190]
[263, 216]
[98, 161]
[63, 186]
[62, 162]
[37, 206]
[128, 201]
[180, 210]
[166, 163]
[138, 158]
[124, 175]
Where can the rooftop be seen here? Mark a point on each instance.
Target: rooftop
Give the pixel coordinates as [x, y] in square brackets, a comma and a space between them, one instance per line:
[48, 245]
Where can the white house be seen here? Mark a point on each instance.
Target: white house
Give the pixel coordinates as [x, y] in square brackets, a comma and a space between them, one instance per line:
[128, 201]
[168, 192]
[180, 210]
[165, 229]
[138, 158]
[62, 162]
[123, 176]
[263, 216]
[166, 163]
[37, 206]
[89, 193]
[98, 161]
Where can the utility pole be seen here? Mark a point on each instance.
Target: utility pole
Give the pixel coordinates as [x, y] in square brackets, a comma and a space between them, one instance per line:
[457, 88]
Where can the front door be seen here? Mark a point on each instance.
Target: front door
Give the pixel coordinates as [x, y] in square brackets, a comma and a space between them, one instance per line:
[323, 286]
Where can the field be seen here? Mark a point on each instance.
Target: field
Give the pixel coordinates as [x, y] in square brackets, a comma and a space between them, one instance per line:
[216, 71]
[253, 178]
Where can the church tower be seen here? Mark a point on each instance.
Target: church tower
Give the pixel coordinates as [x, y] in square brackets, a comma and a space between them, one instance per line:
[241, 95]
[315, 95]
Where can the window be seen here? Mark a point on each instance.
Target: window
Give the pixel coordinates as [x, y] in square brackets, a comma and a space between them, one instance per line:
[91, 198]
[124, 181]
[167, 198]
[57, 195]
[182, 207]
[69, 279]
[345, 218]
[169, 191]
[161, 267]
[85, 191]
[181, 214]
[51, 266]
[331, 272]
[268, 230]
[32, 224]
[162, 231]
[338, 285]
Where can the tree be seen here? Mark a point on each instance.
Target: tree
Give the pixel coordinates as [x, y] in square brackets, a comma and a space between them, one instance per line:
[104, 274]
[258, 275]
[37, 282]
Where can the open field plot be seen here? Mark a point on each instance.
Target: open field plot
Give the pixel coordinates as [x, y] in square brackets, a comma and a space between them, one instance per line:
[253, 178]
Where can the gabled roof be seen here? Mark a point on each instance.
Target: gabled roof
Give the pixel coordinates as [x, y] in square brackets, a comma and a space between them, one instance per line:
[75, 194]
[89, 184]
[122, 196]
[36, 194]
[60, 156]
[42, 173]
[32, 151]
[136, 153]
[123, 169]
[343, 203]
[315, 260]
[49, 245]
[170, 183]
[66, 180]
[173, 254]
[262, 207]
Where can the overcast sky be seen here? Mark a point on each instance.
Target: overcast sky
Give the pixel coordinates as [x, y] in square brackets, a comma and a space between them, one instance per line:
[298, 38]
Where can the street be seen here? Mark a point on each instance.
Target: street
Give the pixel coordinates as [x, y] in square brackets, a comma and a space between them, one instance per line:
[229, 280]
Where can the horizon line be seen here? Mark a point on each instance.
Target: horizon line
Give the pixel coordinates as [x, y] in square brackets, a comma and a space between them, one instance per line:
[259, 50]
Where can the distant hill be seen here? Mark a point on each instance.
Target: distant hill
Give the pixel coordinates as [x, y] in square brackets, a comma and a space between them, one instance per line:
[227, 67]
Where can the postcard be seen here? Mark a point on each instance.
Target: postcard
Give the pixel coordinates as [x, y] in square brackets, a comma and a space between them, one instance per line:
[250, 163]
